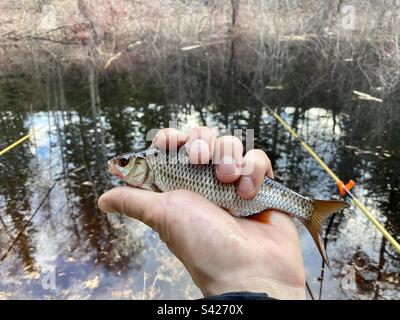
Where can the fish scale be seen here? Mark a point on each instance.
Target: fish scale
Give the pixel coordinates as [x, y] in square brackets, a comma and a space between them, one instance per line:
[174, 172]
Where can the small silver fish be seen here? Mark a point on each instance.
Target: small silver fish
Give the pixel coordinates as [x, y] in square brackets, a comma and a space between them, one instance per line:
[160, 171]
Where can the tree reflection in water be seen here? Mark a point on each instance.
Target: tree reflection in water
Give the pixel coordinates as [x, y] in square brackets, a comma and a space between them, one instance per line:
[91, 116]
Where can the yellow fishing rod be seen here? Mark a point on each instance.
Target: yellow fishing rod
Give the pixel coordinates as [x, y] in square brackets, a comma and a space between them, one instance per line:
[13, 145]
[339, 182]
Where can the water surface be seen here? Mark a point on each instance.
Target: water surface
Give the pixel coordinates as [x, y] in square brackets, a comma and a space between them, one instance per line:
[50, 225]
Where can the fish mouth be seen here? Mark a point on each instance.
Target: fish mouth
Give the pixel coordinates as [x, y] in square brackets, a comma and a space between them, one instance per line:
[117, 175]
[113, 170]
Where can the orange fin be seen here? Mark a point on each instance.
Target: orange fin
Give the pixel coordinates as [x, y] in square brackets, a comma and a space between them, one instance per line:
[322, 209]
[263, 216]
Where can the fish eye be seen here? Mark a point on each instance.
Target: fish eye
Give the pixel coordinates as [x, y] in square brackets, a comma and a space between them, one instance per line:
[123, 162]
[156, 153]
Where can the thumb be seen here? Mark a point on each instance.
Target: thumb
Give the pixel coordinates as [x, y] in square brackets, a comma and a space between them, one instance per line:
[145, 206]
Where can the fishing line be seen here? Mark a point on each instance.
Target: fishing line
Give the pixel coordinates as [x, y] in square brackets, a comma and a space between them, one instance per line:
[321, 277]
[30, 218]
[355, 200]
[309, 291]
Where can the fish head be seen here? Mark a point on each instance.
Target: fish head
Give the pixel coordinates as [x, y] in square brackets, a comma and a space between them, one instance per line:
[131, 168]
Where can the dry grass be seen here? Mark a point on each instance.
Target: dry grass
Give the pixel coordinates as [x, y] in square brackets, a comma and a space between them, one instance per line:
[122, 34]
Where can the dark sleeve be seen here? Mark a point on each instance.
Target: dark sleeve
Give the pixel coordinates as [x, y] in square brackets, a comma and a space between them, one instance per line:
[245, 295]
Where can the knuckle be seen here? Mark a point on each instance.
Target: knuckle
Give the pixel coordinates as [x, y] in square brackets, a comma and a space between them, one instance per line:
[260, 155]
[202, 129]
[258, 152]
[170, 130]
[229, 139]
[203, 133]
[229, 144]
[199, 131]
[169, 138]
[164, 132]
[171, 133]
[158, 135]
[256, 163]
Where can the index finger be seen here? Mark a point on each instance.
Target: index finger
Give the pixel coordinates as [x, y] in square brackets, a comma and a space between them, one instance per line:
[169, 139]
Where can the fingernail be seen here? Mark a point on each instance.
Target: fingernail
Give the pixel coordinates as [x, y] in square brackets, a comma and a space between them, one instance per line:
[199, 152]
[227, 166]
[246, 185]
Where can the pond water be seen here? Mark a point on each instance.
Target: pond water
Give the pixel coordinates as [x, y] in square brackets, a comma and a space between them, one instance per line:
[56, 244]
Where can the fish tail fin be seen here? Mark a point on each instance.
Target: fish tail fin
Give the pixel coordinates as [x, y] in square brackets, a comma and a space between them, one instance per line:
[322, 209]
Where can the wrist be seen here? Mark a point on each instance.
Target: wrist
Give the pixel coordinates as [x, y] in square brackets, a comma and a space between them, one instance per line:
[274, 288]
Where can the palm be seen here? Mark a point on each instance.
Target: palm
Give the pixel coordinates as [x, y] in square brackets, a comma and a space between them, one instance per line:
[209, 241]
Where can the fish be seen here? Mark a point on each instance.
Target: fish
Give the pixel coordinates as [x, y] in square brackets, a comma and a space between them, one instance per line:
[160, 171]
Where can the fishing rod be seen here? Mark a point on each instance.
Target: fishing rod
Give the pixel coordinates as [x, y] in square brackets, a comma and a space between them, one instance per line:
[345, 188]
[13, 145]
[32, 132]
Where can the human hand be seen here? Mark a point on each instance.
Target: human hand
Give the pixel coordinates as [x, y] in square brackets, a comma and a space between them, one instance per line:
[221, 252]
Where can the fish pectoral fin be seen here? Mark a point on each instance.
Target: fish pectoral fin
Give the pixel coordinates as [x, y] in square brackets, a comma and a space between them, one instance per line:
[228, 210]
[322, 209]
[154, 188]
[263, 216]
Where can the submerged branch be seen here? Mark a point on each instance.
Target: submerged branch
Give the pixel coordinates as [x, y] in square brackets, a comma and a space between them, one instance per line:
[40, 38]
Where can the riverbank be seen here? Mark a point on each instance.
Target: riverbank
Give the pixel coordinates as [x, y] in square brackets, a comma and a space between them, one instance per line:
[240, 36]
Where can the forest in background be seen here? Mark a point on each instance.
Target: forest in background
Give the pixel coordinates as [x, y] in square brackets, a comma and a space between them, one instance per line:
[124, 35]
